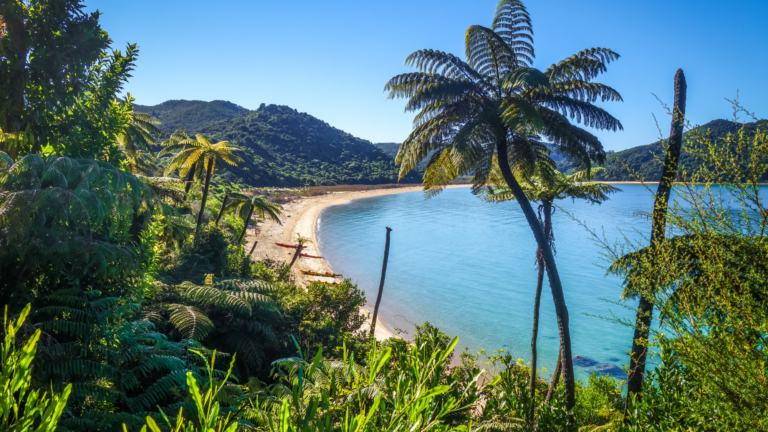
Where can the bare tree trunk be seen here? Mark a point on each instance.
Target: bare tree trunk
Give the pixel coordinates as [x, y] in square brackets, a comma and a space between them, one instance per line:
[645, 308]
[381, 284]
[221, 212]
[296, 255]
[253, 248]
[555, 378]
[245, 227]
[551, 268]
[205, 198]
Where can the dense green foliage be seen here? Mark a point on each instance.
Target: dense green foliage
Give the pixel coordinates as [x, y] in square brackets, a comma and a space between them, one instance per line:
[708, 282]
[59, 82]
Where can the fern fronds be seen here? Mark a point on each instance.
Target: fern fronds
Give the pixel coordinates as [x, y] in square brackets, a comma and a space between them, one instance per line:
[190, 321]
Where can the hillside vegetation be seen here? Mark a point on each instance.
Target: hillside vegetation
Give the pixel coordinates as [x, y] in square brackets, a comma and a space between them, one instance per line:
[643, 162]
[281, 146]
[190, 115]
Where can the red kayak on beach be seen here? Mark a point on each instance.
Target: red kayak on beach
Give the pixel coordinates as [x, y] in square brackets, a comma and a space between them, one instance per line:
[287, 245]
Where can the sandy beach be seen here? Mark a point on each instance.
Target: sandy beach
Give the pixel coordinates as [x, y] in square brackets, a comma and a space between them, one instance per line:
[300, 217]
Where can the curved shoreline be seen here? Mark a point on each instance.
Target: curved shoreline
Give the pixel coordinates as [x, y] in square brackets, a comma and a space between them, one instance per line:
[300, 217]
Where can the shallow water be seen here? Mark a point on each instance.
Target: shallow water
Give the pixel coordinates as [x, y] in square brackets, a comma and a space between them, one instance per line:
[468, 268]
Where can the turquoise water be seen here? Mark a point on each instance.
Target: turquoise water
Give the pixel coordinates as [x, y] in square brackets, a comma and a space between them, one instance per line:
[468, 268]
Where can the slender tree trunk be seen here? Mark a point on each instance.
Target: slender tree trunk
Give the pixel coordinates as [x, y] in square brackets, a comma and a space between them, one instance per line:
[536, 303]
[547, 209]
[221, 212]
[555, 378]
[190, 178]
[245, 227]
[253, 248]
[381, 284]
[205, 198]
[296, 255]
[554, 277]
[645, 308]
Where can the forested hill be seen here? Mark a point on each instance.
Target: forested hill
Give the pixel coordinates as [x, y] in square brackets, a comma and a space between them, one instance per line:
[644, 160]
[392, 148]
[389, 148]
[281, 146]
[190, 115]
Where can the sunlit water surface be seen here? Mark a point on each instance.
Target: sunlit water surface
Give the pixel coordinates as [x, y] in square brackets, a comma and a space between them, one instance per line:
[468, 268]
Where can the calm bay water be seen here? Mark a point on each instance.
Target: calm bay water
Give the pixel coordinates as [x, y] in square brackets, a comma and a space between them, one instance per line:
[468, 268]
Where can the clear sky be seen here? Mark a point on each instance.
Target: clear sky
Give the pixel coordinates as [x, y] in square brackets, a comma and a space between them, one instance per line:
[331, 59]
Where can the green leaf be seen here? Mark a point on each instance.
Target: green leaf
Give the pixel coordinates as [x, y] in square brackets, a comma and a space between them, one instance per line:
[448, 349]
[152, 425]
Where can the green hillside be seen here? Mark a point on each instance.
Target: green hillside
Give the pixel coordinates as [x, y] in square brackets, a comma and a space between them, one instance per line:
[389, 148]
[283, 147]
[644, 160]
[190, 115]
[392, 148]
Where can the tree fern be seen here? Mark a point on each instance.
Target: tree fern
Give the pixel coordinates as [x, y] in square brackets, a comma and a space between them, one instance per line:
[238, 316]
[190, 321]
[62, 218]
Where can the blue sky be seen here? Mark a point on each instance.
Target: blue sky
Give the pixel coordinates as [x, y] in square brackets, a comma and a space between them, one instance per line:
[331, 59]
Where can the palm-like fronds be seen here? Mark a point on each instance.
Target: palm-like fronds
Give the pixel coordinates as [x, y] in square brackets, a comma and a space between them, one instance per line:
[464, 108]
[67, 216]
[190, 151]
[127, 365]
[198, 153]
[557, 187]
[237, 315]
[137, 141]
[246, 206]
[166, 188]
[191, 322]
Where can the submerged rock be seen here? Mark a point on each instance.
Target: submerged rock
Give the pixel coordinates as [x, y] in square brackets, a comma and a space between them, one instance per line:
[584, 362]
[611, 370]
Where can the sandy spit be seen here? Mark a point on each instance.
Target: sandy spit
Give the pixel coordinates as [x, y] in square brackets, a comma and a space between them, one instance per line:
[300, 217]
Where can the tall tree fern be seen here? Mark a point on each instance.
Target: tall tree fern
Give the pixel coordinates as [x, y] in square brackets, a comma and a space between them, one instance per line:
[493, 106]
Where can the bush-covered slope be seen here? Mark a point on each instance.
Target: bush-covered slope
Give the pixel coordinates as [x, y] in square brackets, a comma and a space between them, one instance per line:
[392, 148]
[389, 148]
[644, 160]
[283, 147]
[190, 116]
